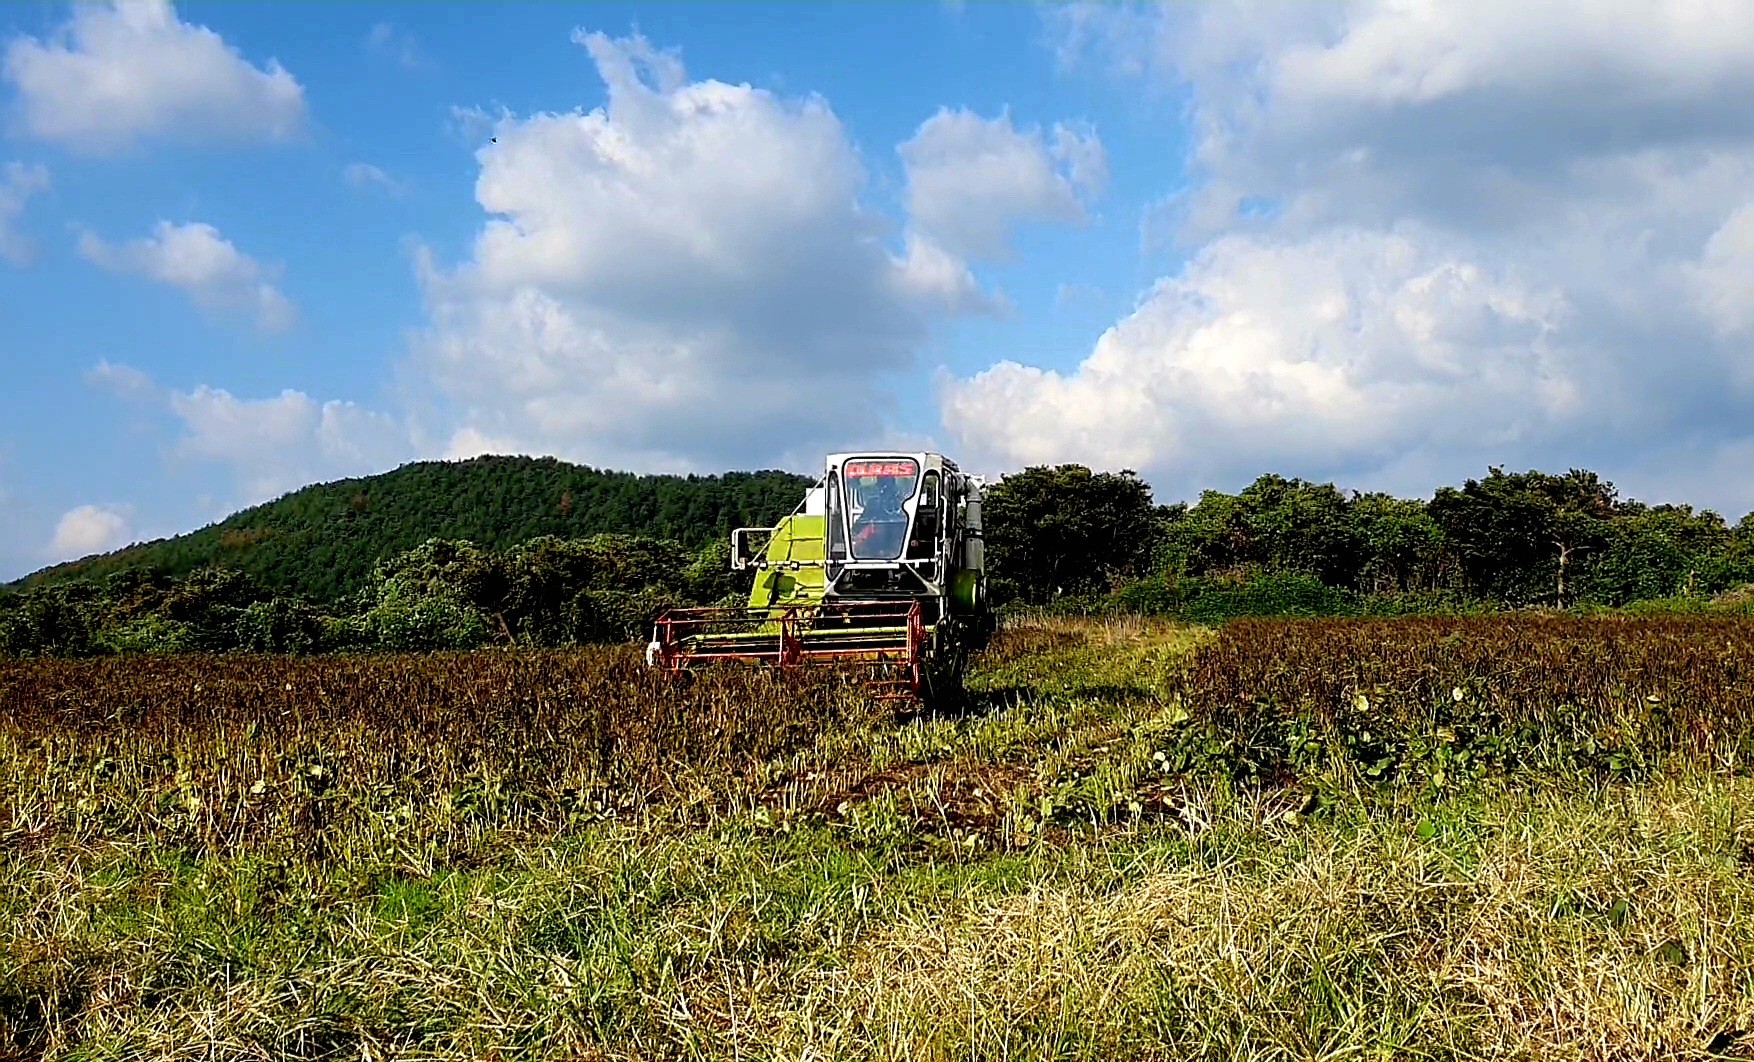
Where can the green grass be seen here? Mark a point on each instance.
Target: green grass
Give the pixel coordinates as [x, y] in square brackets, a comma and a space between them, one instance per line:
[1025, 881]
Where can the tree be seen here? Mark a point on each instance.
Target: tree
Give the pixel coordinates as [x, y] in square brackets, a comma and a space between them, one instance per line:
[1400, 544]
[208, 603]
[52, 621]
[709, 578]
[1275, 524]
[1297, 526]
[439, 595]
[1664, 551]
[1520, 536]
[279, 625]
[442, 568]
[541, 578]
[1211, 537]
[1066, 530]
[546, 577]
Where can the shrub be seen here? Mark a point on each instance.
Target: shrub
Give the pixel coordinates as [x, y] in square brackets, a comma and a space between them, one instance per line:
[618, 615]
[1158, 595]
[150, 634]
[1217, 600]
[1424, 603]
[424, 624]
[279, 625]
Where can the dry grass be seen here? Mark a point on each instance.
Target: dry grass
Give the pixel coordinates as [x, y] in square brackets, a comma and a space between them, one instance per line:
[1027, 881]
[1549, 926]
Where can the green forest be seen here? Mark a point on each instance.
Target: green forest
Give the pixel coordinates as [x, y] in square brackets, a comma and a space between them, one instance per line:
[1072, 539]
[323, 543]
[520, 551]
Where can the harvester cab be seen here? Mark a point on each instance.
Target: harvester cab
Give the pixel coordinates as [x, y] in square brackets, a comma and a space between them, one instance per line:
[880, 569]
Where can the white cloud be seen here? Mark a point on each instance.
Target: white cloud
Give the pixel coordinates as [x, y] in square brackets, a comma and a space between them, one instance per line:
[90, 529]
[1658, 58]
[1114, 37]
[118, 74]
[196, 258]
[267, 446]
[397, 45]
[473, 124]
[938, 278]
[1080, 151]
[1726, 273]
[18, 182]
[470, 442]
[123, 381]
[274, 445]
[1419, 238]
[1467, 115]
[682, 278]
[970, 180]
[365, 175]
[1257, 351]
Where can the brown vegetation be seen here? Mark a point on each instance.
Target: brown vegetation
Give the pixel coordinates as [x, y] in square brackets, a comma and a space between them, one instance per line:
[1519, 838]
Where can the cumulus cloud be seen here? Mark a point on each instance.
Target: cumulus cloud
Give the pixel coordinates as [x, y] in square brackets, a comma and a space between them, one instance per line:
[1198, 378]
[1419, 238]
[365, 175]
[122, 381]
[195, 258]
[267, 446]
[684, 277]
[935, 277]
[90, 529]
[117, 74]
[273, 445]
[18, 182]
[970, 180]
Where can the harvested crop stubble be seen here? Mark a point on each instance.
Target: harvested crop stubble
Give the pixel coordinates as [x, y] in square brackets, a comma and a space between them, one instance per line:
[871, 891]
[374, 753]
[1542, 925]
[1613, 696]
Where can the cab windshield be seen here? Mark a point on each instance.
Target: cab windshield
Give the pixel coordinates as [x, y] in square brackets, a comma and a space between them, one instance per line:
[877, 491]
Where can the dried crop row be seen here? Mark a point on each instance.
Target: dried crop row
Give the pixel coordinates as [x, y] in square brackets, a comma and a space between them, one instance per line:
[418, 754]
[1439, 698]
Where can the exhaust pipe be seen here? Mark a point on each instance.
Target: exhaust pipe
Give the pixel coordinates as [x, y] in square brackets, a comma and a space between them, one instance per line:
[974, 548]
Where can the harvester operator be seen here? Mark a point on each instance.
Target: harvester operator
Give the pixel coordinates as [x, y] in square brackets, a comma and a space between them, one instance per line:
[880, 528]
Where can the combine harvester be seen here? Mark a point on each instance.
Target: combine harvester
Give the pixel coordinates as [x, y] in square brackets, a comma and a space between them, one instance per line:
[879, 570]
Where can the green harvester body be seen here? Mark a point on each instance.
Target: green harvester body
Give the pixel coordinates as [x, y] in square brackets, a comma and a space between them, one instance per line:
[881, 569]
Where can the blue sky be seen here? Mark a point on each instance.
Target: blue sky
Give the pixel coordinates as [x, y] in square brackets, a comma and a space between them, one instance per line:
[247, 247]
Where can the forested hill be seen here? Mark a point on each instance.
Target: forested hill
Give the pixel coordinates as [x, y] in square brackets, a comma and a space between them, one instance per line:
[322, 541]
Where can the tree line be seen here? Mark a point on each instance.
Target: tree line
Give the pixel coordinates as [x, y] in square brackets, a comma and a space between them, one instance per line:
[443, 594]
[1069, 537]
[324, 542]
[1060, 537]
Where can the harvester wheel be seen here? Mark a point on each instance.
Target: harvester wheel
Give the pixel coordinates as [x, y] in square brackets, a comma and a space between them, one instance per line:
[946, 669]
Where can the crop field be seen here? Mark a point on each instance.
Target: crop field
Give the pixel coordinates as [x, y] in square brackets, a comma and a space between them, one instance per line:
[1506, 838]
